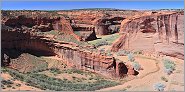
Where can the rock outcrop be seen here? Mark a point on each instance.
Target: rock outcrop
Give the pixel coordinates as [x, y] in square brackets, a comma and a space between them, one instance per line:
[159, 32]
[42, 24]
[86, 32]
[102, 24]
[72, 55]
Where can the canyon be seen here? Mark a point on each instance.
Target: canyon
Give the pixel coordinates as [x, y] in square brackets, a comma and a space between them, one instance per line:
[68, 36]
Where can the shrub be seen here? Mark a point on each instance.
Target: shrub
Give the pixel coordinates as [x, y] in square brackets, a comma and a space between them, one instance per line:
[6, 82]
[169, 66]
[136, 66]
[55, 70]
[9, 86]
[102, 50]
[18, 85]
[131, 57]
[138, 52]
[101, 43]
[159, 86]
[45, 82]
[122, 53]
[168, 71]
[164, 79]
[13, 87]
[90, 78]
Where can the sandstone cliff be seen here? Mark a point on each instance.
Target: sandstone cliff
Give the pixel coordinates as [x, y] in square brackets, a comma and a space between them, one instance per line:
[156, 32]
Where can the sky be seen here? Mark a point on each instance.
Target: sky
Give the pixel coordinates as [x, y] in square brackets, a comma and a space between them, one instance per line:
[63, 5]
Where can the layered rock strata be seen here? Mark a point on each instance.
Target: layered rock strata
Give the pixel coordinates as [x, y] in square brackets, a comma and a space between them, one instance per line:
[161, 33]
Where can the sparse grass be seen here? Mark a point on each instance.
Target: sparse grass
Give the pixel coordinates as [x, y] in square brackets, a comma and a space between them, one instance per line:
[105, 40]
[100, 43]
[52, 32]
[55, 71]
[122, 53]
[45, 82]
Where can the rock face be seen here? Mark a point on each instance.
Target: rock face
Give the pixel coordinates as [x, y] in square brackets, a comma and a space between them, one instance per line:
[86, 32]
[21, 35]
[42, 24]
[99, 19]
[161, 33]
[72, 55]
[102, 24]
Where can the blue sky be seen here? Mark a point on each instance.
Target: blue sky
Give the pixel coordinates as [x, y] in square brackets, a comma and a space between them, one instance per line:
[61, 5]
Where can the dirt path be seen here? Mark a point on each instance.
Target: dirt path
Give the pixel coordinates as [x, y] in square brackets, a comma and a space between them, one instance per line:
[142, 80]
[147, 81]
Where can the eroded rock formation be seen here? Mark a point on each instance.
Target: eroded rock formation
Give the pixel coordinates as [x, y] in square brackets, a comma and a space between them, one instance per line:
[102, 24]
[22, 36]
[72, 55]
[161, 33]
[42, 24]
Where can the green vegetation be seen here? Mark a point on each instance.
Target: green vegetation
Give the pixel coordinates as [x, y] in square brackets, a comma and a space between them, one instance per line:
[108, 53]
[136, 66]
[6, 82]
[131, 57]
[122, 53]
[169, 66]
[55, 70]
[100, 43]
[105, 40]
[159, 86]
[45, 82]
[77, 33]
[52, 32]
[9, 84]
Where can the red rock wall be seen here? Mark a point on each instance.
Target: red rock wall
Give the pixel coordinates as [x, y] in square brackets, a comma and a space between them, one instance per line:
[43, 24]
[72, 55]
[155, 33]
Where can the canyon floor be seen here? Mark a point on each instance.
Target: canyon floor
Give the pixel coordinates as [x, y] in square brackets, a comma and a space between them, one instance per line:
[152, 72]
